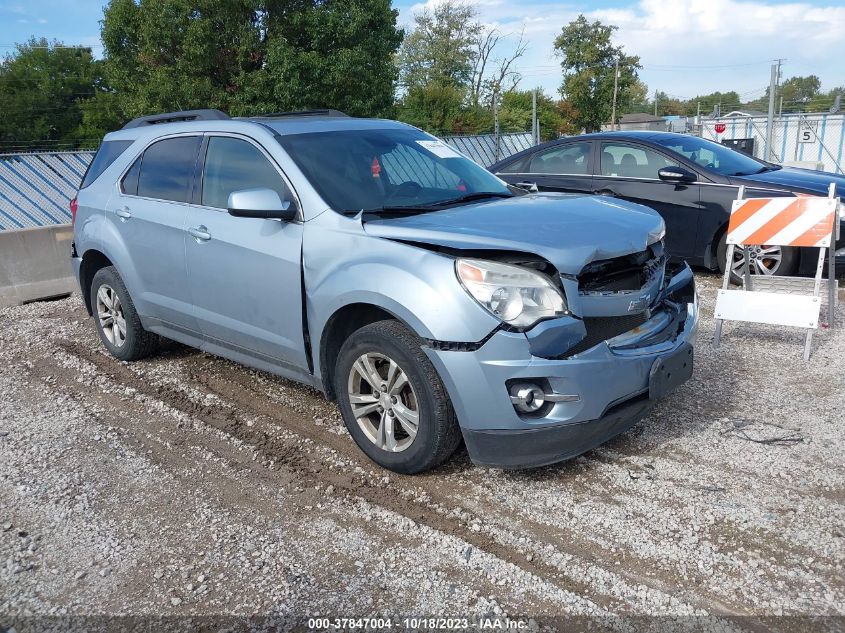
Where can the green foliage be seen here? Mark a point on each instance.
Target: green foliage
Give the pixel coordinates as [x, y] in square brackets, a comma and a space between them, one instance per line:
[435, 107]
[251, 56]
[515, 114]
[588, 65]
[441, 48]
[42, 88]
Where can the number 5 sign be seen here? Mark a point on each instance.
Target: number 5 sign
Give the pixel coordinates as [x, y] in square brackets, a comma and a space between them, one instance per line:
[807, 132]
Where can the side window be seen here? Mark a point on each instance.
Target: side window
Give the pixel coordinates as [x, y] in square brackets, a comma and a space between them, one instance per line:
[232, 164]
[129, 184]
[572, 158]
[516, 167]
[630, 161]
[167, 168]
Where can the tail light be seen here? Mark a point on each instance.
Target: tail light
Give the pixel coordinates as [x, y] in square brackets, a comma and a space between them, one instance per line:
[74, 205]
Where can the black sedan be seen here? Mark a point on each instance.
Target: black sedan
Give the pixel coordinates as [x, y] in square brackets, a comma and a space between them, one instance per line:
[690, 181]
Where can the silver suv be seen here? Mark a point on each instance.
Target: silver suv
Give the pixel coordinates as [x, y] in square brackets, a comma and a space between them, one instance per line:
[372, 261]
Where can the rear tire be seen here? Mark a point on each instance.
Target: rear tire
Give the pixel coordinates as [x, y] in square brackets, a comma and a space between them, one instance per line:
[782, 261]
[117, 320]
[380, 417]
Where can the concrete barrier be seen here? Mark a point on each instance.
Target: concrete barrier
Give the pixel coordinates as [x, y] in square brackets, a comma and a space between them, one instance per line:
[35, 264]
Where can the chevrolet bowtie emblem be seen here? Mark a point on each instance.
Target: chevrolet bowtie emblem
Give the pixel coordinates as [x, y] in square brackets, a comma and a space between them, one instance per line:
[638, 305]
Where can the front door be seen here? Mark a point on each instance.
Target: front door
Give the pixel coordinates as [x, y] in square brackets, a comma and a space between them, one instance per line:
[629, 171]
[245, 273]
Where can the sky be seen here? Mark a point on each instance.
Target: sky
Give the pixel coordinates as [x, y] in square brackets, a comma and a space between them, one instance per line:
[686, 47]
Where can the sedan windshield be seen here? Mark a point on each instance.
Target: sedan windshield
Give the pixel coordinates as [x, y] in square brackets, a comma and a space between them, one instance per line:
[713, 156]
[393, 169]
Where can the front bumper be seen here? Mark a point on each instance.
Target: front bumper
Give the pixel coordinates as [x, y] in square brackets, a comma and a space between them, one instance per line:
[610, 379]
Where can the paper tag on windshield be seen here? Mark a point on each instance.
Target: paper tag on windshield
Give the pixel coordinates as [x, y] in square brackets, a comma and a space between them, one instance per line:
[439, 149]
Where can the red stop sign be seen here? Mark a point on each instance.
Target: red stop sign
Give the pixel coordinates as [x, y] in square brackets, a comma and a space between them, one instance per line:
[720, 127]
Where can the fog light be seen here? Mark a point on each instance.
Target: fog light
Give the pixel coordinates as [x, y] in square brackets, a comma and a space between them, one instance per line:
[527, 397]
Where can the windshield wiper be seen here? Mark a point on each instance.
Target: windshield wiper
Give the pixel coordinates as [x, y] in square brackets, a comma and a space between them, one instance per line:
[762, 170]
[409, 210]
[478, 195]
[432, 206]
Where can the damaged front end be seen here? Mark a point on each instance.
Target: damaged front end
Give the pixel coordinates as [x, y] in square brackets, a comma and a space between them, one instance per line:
[568, 384]
[627, 302]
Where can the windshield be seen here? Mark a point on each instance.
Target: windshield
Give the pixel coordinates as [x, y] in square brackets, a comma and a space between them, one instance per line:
[356, 170]
[723, 160]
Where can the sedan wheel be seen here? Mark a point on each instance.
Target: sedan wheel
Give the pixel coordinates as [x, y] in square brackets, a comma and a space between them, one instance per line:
[762, 260]
[383, 402]
[110, 313]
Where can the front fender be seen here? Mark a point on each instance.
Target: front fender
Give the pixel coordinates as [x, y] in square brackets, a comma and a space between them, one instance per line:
[343, 265]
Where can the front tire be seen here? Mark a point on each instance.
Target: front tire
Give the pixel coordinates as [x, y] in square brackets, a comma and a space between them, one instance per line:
[117, 321]
[780, 261]
[393, 401]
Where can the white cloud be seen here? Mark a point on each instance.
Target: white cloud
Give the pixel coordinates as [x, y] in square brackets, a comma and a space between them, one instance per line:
[687, 47]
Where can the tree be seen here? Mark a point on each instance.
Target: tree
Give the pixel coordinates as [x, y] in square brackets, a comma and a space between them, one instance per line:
[491, 74]
[42, 87]
[726, 101]
[435, 107]
[588, 63]
[441, 48]
[515, 114]
[251, 56]
[450, 65]
[798, 92]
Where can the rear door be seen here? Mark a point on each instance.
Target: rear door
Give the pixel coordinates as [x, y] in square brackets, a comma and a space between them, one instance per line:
[245, 273]
[629, 171]
[149, 213]
[563, 168]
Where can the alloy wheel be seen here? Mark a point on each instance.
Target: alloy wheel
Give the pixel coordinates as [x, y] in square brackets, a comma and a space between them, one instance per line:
[762, 260]
[383, 402]
[110, 314]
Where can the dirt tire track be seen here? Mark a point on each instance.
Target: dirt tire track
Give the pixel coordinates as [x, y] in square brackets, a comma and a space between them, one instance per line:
[238, 392]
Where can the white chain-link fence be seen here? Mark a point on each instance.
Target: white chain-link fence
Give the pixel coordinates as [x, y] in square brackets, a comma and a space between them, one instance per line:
[806, 138]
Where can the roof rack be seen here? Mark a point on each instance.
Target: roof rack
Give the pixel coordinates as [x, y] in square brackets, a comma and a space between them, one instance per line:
[315, 112]
[174, 117]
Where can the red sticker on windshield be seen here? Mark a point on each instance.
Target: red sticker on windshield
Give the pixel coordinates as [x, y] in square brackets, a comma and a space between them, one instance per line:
[375, 167]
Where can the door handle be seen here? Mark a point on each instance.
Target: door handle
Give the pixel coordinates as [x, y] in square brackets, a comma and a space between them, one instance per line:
[531, 186]
[123, 213]
[201, 233]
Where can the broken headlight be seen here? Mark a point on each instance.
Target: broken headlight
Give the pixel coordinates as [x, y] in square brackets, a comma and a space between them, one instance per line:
[518, 296]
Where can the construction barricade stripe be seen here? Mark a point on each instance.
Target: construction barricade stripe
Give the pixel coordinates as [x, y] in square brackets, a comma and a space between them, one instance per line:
[806, 221]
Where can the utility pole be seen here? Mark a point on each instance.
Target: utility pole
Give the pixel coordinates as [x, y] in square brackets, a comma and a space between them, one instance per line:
[496, 120]
[655, 102]
[770, 127]
[535, 131]
[615, 92]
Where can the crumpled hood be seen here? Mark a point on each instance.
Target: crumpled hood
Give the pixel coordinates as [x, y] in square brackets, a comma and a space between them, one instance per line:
[569, 231]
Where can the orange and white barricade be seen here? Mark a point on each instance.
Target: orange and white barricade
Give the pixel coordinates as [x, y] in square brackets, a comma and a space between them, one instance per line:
[805, 222]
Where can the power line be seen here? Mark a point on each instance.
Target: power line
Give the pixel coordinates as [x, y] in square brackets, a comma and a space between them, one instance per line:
[49, 48]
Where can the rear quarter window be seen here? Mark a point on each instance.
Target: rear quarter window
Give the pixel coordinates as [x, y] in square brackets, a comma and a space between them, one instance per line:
[105, 156]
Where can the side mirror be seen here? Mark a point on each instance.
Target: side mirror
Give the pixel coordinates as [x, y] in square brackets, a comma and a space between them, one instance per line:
[676, 175]
[260, 203]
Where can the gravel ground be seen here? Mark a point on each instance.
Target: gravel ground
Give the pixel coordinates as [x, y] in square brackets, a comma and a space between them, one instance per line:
[190, 485]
